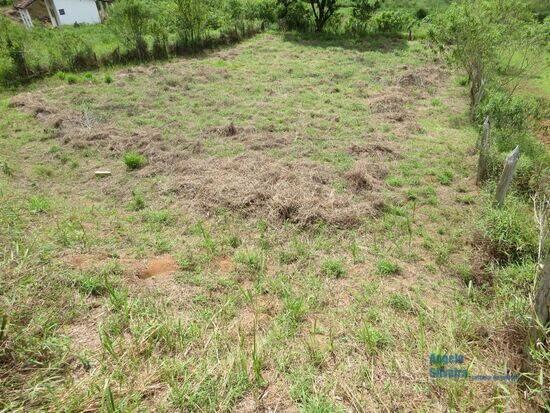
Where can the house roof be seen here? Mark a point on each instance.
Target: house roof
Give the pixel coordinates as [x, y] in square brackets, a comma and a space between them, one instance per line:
[23, 4]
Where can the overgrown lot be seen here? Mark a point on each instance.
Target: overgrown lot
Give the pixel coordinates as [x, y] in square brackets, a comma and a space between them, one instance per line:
[289, 225]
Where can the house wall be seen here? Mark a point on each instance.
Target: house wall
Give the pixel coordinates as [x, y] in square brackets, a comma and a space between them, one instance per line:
[76, 11]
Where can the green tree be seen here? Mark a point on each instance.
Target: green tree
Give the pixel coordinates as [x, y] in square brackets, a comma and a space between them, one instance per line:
[485, 37]
[130, 20]
[363, 10]
[323, 10]
[191, 17]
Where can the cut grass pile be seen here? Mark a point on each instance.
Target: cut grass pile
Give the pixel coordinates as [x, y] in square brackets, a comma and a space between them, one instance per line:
[294, 240]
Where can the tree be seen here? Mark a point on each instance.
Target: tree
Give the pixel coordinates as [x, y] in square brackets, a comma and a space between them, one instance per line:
[484, 37]
[323, 10]
[190, 18]
[130, 19]
[363, 10]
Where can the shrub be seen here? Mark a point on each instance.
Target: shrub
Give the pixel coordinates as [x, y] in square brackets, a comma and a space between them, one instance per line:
[472, 34]
[391, 21]
[13, 39]
[509, 232]
[333, 268]
[421, 14]
[262, 10]
[130, 20]
[190, 17]
[505, 111]
[294, 15]
[363, 10]
[134, 160]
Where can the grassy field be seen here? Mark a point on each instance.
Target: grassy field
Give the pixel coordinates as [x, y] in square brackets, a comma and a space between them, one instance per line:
[296, 235]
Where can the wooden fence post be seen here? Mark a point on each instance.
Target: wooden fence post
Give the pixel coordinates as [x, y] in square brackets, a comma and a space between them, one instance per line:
[482, 165]
[542, 298]
[507, 176]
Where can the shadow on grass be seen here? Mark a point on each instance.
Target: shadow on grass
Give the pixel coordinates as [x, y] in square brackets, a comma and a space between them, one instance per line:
[372, 43]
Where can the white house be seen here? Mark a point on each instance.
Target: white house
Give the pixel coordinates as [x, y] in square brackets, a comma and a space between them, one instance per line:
[61, 12]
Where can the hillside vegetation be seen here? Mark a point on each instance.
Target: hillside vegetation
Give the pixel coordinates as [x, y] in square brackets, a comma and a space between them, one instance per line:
[234, 209]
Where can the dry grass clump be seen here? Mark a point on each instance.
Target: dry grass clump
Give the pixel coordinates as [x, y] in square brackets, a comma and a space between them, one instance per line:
[257, 185]
[253, 184]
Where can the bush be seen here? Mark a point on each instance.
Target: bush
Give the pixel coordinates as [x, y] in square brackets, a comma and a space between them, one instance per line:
[134, 160]
[391, 21]
[421, 14]
[262, 10]
[363, 10]
[509, 232]
[13, 39]
[295, 16]
[505, 111]
[130, 20]
[190, 20]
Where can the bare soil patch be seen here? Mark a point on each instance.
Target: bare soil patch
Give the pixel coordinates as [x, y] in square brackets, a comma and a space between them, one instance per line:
[156, 267]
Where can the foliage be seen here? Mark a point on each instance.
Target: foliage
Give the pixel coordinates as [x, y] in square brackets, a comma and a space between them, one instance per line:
[392, 21]
[12, 49]
[190, 19]
[477, 35]
[131, 19]
[294, 15]
[505, 111]
[262, 10]
[361, 13]
[323, 10]
[363, 10]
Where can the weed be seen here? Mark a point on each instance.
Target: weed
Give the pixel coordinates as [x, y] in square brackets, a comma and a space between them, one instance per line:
[71, 79]
[253, 260]
[108, 79]
[6, 169]
[373, 339]
[234, 241]
[333, 268]
[39, 204]
[509, 231]
[445, 177]
[385, 267]
[138, 202]
[134, 160]
[400, 302]
[91, 284]
[162, 217]
[43, 171]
